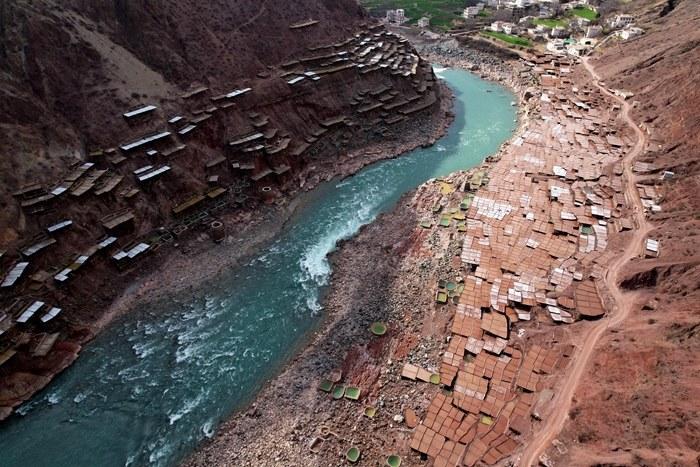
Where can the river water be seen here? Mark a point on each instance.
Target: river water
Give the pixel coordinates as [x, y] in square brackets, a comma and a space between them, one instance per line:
[161, 379]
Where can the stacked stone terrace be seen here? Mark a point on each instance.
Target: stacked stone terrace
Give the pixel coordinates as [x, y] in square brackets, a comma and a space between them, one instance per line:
[228, 139]
[534, 227]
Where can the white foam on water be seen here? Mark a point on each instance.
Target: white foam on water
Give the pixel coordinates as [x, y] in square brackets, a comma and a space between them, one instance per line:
[144, 349]
[53, 398]
[438, 70]
[208, 429]
[81, 396]
[183, 354]
[192, 340]
[315, 268]
[441, 148]
[133, 373]
[158, 455]
[343, 182]
[189, 406]
[23, 410]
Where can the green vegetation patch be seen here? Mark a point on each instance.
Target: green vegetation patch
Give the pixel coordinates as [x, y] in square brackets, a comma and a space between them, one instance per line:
[551, 23]
[508, 38]
[393, 461]
[583, 12]
[378, 328]
[435, 378]
[353, 454]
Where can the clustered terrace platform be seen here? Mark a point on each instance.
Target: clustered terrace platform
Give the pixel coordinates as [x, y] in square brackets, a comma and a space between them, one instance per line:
[257, 157]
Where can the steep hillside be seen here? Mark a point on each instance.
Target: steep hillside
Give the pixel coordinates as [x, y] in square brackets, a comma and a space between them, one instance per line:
[128, 125]
[638, 405]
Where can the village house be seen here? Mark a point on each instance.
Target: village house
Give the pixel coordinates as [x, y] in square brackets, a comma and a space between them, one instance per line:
[620, 21]
[559, 32]
[397, 16]
[578, 50]
[594, 31]
[496, 26]
[535, 34]
[473, 11]
[582, 23]
[542, 29]
[630, 32]
[510, 28]
[553, 5]
[526, 21]
[556, 46]
[424, 22]
[546, 12]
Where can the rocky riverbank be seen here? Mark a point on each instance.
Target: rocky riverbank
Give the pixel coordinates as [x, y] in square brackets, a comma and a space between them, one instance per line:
[378, 275]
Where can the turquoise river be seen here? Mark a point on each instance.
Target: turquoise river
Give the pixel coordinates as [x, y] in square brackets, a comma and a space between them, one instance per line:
[161, 379]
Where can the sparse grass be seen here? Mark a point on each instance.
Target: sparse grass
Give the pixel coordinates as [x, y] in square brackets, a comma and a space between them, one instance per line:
[508, 38]
[551, 23]
[441, 12]
[584, 12]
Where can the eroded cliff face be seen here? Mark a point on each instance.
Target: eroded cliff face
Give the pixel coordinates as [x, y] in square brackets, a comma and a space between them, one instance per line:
[638, 405]
[126, 125]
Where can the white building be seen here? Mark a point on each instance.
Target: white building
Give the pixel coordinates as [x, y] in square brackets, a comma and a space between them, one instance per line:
[620, 21]
[397, 16]
[556, 46]
[496, 26]
[510, 28]
[424, 22]
[578, 50]
[594, 31]
[472, 11]
[630, 32]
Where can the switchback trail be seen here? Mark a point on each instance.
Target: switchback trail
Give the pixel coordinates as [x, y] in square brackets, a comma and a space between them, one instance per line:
[623, 301]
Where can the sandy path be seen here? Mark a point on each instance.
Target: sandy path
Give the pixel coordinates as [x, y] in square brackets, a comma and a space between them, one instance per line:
[623, 301]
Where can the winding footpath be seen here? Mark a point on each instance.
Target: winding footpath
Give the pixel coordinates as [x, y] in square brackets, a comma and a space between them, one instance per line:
[623, 301]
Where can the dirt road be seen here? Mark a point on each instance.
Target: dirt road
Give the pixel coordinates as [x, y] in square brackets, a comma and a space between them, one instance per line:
[623, 301]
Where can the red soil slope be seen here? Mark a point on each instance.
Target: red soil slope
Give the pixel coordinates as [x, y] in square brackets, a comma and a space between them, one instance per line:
[638, 404]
